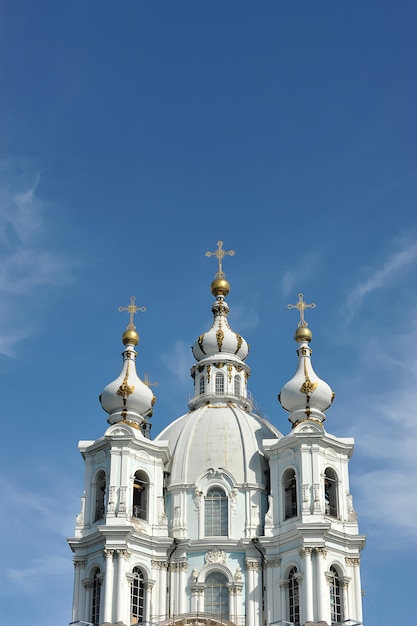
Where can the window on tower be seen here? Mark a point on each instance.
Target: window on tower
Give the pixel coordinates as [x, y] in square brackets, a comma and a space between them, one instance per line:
[290, 494]
[137, 597]
[216, 513]
[293, 597]
[140, 495]
[238, 385]
[216, 595]
[219, 383]
[336, 613]
[202, 385]
[330, 493]
[100, 496]
[95, 598]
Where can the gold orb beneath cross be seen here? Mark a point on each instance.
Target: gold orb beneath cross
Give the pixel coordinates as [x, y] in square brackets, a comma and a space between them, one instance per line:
[130, 337]
[220, 287]
[303, 333]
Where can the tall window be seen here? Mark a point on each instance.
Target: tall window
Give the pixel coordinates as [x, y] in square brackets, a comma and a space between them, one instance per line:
[330, 492]
[290, 494]
[140, 495]
[216, 595]
[216, 513]
[219, 383]
[202, 385]
[336, 614]
[137, 597]
[100, 496]
[95, 598]
[293, 597]
[237, 382]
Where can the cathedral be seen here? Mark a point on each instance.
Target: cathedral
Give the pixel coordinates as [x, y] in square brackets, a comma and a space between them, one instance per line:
[221, 520]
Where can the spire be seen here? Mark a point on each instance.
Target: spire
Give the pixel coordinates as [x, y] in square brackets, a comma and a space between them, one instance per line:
[305, 396]
[220, 352]
[128, 399]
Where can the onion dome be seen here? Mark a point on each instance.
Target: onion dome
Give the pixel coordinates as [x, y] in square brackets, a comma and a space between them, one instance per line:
[127, 398]
[305, 396]
[220, 338]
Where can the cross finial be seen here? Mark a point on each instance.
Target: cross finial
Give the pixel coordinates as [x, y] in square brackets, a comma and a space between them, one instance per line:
[220, 254]
[148, 382]
[132, 309]
[301, 306]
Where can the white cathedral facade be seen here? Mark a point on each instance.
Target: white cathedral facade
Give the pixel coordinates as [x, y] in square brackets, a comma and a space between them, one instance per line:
[221, 519]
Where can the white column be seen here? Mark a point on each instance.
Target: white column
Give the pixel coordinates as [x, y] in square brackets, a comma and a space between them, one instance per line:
[283, 585]
[108, 587]
[254, 593]
[160, 611]
[88, 585]
[121, 600]
[306, 608]
[322, 586]
[272, 603]
[76, 606]
[148, 600]
[182, 600]
[356, 605]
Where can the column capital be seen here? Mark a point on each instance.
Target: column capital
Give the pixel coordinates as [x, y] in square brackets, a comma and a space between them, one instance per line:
[79, 564]
[353, 561]
[252, 566]
[159, 564]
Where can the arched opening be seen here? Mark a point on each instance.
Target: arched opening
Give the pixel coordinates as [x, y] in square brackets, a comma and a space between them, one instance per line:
[336, 612]
[100, 492]
[95, 598]
[330, 492]
[293, 597]
[202, 383]
[137, 597]
[237, 385]
[219, 383]
[290, 494]
[216, 513]
[216, 595]
[140, 495]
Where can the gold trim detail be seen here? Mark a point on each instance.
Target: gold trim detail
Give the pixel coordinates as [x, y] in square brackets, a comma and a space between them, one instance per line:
[307, 387]
[132, 309]
[126, 390]
[200, 343]
[130, 423]
[302, 306]
[219, 339]
[239, 342]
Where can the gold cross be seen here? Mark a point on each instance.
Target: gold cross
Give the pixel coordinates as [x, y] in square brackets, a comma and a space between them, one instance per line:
[220, 254]
[132, 309]
[302, 306]
[147, 381]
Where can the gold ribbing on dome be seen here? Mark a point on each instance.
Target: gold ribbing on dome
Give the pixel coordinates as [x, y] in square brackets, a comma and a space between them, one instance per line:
[220, 286]
[303, 333]
[130, 336]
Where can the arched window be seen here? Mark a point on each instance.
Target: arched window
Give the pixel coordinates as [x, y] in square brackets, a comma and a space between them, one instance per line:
[293, 597]
[237, 383]
[140, 495]
[219, 384]
[330, 492]
[290, 494]
[216, 595]
[137, 597]
[100, 496]
[216, 513]
[95, 598]
[336, 613]
[202, 384]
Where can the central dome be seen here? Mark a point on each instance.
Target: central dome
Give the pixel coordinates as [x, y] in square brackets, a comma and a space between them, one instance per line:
[218, 437]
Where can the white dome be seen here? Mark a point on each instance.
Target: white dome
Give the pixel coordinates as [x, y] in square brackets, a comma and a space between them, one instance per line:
[306, 394]
[127, 396]
[219, 437]
[220, 338]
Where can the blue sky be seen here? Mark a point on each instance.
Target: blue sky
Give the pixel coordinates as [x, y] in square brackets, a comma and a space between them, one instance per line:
[133, 136]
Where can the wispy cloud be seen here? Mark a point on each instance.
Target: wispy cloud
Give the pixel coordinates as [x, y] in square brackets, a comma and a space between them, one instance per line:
[381, 277]
[381, 416]
[177, 361]
[298, 273]
[27, 263]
